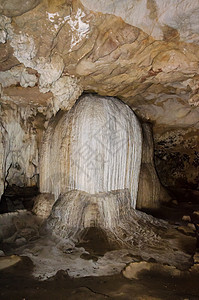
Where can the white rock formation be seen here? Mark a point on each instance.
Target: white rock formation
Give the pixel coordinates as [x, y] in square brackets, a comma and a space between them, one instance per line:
[66, 91]
[18, 147]
[76, 211]
[17, 75]
[96, 147]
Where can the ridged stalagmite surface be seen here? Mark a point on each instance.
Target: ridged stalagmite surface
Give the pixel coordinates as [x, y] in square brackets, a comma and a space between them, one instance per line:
[96, 147]
[150, 192]
[76, 211]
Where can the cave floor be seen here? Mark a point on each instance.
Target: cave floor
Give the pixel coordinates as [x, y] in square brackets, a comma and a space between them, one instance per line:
[17, 282]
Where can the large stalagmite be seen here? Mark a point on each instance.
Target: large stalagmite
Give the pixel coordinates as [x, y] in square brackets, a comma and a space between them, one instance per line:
[96, 147]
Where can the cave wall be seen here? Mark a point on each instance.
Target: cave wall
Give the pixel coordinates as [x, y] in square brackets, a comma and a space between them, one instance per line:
[19, 147]
[151, 192]
[177, 157]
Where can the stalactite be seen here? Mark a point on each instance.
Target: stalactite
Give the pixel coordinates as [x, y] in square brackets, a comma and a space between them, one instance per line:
[96, 147]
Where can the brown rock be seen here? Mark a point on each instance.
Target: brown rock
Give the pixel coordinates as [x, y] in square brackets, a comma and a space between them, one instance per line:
[12, 8]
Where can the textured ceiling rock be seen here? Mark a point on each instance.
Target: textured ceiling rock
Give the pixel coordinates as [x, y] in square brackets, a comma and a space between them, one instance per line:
[155, 17]
[12, 8]
[148, 69]
[26, 97]
[48, 68]
[7, 60]
[16, 75]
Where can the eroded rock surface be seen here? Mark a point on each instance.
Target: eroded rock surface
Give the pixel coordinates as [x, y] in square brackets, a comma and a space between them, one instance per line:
[151, 193]
[177, 157]
[155, 17]
[77, 211]
[19, 147]
[43, 204]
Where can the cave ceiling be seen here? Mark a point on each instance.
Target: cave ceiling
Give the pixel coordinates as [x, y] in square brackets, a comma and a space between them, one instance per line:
[143, 52]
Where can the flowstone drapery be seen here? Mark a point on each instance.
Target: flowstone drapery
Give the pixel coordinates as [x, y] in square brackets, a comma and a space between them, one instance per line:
[75, 212]
[95, 147]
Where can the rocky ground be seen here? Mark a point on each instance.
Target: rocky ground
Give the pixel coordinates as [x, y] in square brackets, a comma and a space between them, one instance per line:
[139, 280]
[17, 283]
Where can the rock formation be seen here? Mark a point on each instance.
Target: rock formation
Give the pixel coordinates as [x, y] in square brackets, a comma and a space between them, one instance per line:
[19, 149]
[96, 147]
[144, 52]
[43, 204]
[151, 193]
[76, 211]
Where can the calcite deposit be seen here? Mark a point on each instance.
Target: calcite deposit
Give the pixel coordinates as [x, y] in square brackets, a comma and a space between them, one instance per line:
[151, 192]
[76, 211]
[96, 147]
[19, 150]
[131, 236]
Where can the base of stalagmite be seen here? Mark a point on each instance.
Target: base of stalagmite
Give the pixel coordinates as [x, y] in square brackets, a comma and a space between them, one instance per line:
[128, 236]
[98, 235]
[76, 211]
